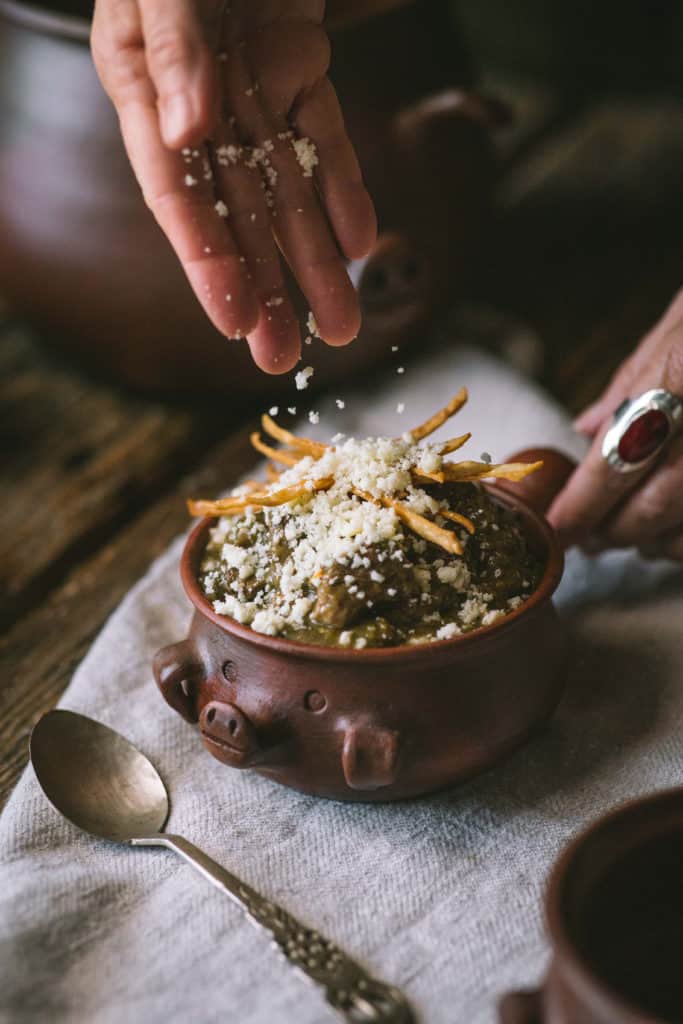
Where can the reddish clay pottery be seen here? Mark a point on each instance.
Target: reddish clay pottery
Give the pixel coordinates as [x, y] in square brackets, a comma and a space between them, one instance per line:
[82, 256]
[372, 724]
[614, 910]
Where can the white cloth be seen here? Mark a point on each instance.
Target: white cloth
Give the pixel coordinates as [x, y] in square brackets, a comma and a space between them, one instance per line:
[441, 896]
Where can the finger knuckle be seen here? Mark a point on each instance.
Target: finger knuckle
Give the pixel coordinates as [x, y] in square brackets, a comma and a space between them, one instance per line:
[653, 506]
[168, 49]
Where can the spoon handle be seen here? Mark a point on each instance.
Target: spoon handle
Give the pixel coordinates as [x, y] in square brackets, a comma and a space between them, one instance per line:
[349, 989]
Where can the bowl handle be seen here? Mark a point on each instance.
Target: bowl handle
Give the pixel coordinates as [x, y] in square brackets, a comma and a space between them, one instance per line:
[539, 489]
[521, 1008]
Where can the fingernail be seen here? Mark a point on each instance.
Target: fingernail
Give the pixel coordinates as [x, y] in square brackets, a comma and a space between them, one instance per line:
[176, 114]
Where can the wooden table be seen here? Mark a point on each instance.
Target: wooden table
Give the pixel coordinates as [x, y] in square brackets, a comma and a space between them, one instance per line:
[587, 248]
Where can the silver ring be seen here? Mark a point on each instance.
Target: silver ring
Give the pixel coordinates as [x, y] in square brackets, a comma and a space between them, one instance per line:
[641, 428]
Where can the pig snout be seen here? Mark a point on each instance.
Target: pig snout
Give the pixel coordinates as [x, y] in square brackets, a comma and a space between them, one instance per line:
[228, 734]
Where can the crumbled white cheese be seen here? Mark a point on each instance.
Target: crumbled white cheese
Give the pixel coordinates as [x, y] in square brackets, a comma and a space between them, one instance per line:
[221, 208]
[340, 403]
[314, 417]
[400, 408]
[302, 378]
[448, 631]
[291, 409]
[306, 155]
[400, 369]
[190, 181]
[274, 410]
[312, 325]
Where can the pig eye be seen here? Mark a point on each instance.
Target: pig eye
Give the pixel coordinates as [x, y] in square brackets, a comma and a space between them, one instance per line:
[230, 671]
[314, 700]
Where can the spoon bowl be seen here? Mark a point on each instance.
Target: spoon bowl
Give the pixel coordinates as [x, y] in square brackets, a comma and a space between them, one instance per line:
[97, 779]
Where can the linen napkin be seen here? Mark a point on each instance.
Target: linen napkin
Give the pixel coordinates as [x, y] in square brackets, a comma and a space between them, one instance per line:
[440, 896]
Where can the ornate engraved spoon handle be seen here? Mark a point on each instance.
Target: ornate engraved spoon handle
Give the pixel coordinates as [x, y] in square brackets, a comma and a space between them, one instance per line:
[349, 989]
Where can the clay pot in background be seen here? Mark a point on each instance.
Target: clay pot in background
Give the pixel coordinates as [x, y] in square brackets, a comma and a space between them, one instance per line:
[371, 724]
[82, 257]
[614, 911]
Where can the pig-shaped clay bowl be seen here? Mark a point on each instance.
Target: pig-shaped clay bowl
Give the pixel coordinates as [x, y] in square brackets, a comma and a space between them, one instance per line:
[372, 724]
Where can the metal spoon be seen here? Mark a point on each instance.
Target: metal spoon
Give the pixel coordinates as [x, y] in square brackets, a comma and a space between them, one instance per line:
[105, 786]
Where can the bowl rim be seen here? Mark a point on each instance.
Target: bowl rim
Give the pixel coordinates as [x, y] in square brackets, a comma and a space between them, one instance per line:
[549, 581]
[569, 957]
[44, 19]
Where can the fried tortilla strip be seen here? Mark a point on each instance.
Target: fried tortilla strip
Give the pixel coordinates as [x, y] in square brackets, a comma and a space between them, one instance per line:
[229, 507]
[276, 454]
[440, 417]
[467, 472]
[454, 444]
[424, 528]
[457, 517]
[419, 476]
[303, 444]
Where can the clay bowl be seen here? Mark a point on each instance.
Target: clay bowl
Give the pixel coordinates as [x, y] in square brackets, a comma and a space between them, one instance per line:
[372, 724]
[614, 911]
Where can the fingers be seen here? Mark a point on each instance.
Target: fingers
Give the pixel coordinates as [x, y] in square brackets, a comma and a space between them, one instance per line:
[274, 340]
[179, 191]
[348, 205]
[298, 221]
[593, 491]
[624, 379]
[655, 508]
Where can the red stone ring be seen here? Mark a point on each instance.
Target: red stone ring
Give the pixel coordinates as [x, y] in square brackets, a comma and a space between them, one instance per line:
[642, 426]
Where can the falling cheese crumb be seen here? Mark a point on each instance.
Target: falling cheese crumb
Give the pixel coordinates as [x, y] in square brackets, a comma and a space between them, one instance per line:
[273, 411]
[314, 417]
[312, 325]
[302, 378]
[221, 209]
[401, 369]
[190, 181]
[340, 403]
[291, 409]
[400, 408]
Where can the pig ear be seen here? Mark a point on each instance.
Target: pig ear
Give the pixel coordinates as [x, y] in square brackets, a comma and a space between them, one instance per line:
[176, 670]
[370, 755]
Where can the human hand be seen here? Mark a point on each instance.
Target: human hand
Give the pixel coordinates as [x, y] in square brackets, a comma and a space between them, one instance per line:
[245, 76]
[603, 508]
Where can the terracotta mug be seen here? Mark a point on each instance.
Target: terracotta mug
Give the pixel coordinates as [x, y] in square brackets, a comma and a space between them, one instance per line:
[377, 723]
[614, 911]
